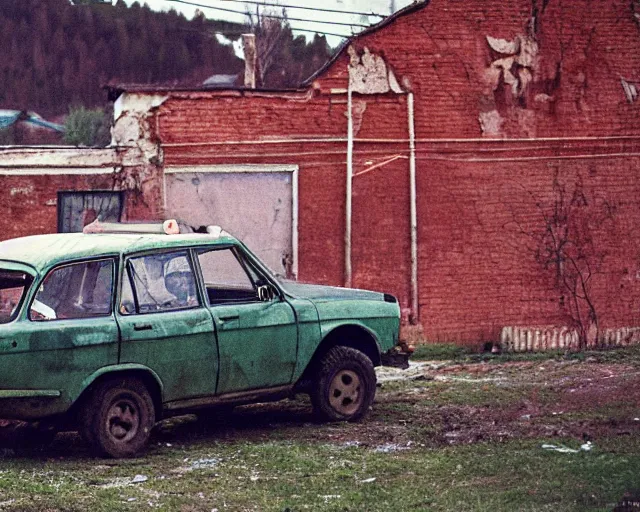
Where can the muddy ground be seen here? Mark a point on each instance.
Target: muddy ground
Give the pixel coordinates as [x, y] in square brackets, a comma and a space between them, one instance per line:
[432, 404]
[444, 435]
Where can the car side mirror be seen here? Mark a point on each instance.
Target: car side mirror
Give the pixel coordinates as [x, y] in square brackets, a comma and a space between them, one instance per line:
[266, 293]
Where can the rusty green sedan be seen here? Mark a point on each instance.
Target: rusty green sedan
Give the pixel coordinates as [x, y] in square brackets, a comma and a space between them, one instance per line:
[109, 332]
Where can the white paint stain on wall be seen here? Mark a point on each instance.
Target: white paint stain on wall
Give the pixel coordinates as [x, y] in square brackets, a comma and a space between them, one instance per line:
[25, 191]
[630, 90]
[534, 339]
[491, 122]
[516, 65]
[369, 73]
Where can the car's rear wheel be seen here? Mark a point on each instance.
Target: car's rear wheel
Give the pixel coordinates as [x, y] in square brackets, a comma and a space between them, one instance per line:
[119, 417]
[345, 385]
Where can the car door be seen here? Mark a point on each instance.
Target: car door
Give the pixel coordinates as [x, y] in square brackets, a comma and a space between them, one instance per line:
[164, 325]
[257, 336]
[67, 332]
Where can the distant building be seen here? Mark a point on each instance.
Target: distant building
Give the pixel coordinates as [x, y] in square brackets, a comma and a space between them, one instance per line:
[19, 127]
[221, 81]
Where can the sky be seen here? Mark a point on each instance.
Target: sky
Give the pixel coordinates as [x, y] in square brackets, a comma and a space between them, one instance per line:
[376, 6]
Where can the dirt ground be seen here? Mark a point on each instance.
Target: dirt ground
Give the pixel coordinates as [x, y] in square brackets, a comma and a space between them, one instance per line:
[583, 400]
[477, 435]
[431, 404]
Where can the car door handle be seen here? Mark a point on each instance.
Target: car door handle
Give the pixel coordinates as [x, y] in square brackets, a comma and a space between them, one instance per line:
[142, 327]
[229, 317]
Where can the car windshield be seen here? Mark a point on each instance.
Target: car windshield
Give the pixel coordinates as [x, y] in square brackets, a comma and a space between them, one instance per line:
[13, 288]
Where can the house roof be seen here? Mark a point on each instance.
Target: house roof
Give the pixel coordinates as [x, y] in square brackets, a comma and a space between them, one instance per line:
[10, 117]
[116, 89]
[409, 9]
[219, 81]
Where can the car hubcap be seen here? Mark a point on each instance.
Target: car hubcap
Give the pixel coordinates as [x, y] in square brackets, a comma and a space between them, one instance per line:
[123, 420]
[344, 393]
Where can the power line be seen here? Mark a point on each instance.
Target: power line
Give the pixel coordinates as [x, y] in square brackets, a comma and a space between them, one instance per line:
[323, 32]
[273, 16]
[317, 9]
[228, 33]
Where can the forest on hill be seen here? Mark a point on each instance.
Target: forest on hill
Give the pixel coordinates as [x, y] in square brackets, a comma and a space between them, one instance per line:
[58, 54]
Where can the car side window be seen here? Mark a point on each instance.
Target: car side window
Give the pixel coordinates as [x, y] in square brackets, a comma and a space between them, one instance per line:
[158, 282]
[78, 290]
[225, 277]
[14, 285]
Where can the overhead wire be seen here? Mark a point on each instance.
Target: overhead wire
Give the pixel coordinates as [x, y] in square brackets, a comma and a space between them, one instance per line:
[232, 33]
[323, 139]
[427, 155]
[302, 7]
[271, 16]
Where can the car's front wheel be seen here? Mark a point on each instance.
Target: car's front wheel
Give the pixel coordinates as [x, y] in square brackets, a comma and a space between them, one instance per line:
[345, 385]
[119, 417]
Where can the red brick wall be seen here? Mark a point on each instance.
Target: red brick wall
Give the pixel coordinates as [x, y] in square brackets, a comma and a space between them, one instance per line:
[380, 197]
[322, 166]
[479, 232]
[481, 203]
[28, 204]
[585, 47]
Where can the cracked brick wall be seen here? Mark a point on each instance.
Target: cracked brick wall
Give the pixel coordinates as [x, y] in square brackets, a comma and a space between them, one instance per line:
[507, 71]
[28, 204]
[31, 177]
[508, 78]
[505, 93]
[381, 208]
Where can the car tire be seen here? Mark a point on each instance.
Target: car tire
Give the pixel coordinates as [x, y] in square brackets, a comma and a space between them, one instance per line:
[118, 418]
[345, 385]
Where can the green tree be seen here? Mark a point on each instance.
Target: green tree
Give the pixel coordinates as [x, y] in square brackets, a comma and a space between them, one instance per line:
[85, 127]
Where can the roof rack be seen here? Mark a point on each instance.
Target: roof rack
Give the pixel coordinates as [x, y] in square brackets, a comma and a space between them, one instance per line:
[167, 227]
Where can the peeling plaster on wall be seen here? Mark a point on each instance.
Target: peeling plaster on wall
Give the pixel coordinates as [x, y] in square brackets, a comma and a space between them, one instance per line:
[517, 64]
[136, 103]
[543, 98]
[491, 123]
[516, 83]
[533, 339]
[630, 90]
[132, 130]
[369, 74]
[358, 110]
[21, 191]
[504, 46]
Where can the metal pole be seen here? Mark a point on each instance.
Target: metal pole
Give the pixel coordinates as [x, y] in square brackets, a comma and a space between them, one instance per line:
[414, 210]
[347, 231]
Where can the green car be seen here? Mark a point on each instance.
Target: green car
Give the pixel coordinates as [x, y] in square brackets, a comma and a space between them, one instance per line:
[108, 333]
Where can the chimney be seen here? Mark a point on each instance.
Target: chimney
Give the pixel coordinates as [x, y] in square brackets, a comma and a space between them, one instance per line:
[250, 58]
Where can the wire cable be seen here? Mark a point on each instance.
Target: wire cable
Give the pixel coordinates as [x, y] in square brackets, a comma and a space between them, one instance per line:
[227, 33]
[272, 16]
[317, 9]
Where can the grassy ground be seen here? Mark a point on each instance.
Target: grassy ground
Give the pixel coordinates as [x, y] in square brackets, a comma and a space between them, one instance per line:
[461, 434]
